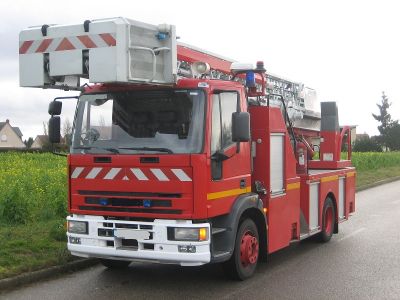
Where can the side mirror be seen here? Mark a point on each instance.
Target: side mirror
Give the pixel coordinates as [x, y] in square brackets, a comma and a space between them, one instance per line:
[54, 129]
[55, 108]
[240, 127]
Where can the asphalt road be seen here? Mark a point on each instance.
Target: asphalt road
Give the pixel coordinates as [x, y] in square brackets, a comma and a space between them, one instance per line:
[361, 262]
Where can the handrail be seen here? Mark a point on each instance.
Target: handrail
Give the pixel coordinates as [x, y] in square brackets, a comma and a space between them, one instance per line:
[339, 147]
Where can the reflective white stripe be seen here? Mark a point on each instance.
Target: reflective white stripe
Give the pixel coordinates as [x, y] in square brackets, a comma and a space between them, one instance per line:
[53, 45]
[181, 175]
[139, 174]
[112, 173]
[159, 174]
[93, 173]
[35, 45]
[77, 171]
[76, 42]
[98, 40]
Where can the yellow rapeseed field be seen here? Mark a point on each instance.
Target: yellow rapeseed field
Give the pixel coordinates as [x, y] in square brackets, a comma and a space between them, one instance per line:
[33, 186]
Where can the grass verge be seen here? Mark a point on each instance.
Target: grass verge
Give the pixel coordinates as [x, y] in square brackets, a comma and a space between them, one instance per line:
[368, 177]
[30, 247]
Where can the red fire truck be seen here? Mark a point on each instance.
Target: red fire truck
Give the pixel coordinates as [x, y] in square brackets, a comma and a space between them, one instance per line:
[182, 156]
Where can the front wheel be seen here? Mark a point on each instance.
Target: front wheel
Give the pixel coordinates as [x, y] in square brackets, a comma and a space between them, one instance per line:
[115, 264]
[244, 259]
[328, 221]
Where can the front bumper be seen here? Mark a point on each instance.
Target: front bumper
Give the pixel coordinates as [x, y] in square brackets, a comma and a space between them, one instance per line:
[157, 248]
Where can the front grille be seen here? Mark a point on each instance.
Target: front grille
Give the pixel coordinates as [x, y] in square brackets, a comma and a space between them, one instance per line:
[108, 230]
[132, 202]
[129, 194]
[105, 232]
[129, 226]
[122, 225]
[129, 243]
[128, 202]
[134, 210]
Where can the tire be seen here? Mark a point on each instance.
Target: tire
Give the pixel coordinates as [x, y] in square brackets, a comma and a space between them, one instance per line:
[328, 221]
[115, 264]
[244, 259]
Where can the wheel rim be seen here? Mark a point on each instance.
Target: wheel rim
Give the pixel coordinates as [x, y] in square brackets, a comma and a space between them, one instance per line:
[328, 220]
[248, 249]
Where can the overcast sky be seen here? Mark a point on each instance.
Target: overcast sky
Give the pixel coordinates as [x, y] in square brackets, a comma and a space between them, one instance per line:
[349, 51]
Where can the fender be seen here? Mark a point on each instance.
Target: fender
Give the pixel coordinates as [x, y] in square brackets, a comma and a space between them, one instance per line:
[223, 242]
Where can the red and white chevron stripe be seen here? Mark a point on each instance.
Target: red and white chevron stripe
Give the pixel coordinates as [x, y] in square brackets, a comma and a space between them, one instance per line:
[67, 43]
[164, 174]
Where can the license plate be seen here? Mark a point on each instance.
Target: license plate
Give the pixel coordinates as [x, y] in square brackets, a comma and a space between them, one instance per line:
[132, 234]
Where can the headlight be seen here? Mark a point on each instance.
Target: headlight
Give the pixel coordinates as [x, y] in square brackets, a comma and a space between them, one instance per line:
[187, 234]
[78, 227]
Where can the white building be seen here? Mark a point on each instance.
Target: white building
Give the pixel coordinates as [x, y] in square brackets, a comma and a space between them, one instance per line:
[10, 137]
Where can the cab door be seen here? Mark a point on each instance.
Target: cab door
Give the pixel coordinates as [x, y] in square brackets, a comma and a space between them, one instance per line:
[229, 161]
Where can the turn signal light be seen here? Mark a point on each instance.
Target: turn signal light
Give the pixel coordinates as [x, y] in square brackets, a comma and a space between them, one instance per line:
[203, 234]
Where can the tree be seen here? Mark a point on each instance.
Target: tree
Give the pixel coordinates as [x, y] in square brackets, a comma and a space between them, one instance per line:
[388, 127]
[67, 131]
[45, 128]
[367, 144]
[393, 137]
[46, 145]
[28, 143]
[383, 117]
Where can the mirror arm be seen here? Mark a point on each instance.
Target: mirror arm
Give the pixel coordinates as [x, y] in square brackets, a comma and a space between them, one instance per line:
[219, 156]
[66, 97]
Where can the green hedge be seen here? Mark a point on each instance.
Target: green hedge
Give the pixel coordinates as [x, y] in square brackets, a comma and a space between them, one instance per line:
[364, 161]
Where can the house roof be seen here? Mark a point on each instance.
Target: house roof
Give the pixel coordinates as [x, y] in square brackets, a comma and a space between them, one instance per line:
[16, 129]
[42, 138]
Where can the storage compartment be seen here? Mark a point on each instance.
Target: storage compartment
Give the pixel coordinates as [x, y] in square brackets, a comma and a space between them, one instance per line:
[313, 208]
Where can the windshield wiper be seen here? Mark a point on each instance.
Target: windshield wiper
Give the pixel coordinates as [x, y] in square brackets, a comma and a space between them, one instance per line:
[147, 149]
[113, 150]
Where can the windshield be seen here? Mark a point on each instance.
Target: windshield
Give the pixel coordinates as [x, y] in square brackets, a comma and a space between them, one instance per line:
[169, 121]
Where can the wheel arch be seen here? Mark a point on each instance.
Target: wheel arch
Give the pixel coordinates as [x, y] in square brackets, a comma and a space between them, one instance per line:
[245, 206]
[334, 201]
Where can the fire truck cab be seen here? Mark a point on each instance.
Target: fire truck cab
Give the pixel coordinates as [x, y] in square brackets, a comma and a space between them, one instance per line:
[182, 156]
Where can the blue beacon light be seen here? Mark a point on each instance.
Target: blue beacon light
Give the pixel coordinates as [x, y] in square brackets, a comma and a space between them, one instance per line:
[161, 36]
[250, 79]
